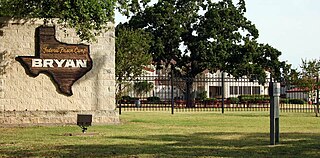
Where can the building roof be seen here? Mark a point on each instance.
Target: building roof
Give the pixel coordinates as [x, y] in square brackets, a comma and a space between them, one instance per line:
[293, 90]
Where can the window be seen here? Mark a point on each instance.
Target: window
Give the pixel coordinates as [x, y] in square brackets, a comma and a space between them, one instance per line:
[233, 90]
[256, 90]
[246, 90]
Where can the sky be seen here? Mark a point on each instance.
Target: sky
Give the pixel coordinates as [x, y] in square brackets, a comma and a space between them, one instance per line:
[291, 26]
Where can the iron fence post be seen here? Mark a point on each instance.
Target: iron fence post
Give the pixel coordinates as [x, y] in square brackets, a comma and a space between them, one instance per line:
[172, 96]
[120, 98]
[317, 94]
[222, 93]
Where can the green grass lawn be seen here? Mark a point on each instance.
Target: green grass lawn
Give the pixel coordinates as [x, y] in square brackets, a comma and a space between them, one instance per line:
[160, 134]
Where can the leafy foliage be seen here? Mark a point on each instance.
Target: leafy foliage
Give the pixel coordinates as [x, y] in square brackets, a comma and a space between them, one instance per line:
[296, 101]
[131, 6]
[142, 87]
[234, 100]
[201, 95]
[215, 36]
[289, 75]
[253, 98]
[88, 17]
[153, 99]
[221, 38]
[308, 77]
[131, 57]
[131, 53]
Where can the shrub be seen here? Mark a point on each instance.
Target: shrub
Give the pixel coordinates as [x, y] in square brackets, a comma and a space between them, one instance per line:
[246, 98]
[127, 98]
[201, 95]
[254, 98]
[210, 99]
[142, 87]
[296, 101]
[284, 101]
[233, 100]
[153, 99]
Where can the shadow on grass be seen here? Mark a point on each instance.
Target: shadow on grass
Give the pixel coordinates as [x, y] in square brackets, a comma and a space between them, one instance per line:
[193, 145]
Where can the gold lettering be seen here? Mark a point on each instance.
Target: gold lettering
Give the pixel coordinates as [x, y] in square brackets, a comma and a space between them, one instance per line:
[63, 50]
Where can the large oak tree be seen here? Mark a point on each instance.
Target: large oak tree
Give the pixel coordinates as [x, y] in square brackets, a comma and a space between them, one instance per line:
[214, 36]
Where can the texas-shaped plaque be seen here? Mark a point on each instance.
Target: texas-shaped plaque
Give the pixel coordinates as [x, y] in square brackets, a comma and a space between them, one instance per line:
[63, 63]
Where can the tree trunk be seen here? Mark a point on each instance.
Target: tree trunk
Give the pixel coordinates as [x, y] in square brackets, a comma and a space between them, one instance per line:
[189, 89]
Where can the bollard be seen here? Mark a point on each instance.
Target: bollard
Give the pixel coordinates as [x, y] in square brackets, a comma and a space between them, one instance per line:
[274, 93]
[138, 103]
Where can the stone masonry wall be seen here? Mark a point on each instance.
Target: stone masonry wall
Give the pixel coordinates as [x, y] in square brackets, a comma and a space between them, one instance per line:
[28, 100]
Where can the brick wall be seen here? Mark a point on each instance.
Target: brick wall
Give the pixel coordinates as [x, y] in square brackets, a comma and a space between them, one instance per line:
[93, 93]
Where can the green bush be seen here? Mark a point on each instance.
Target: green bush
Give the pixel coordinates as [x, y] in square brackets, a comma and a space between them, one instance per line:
[246, 98]
[233, 100]
[209, 99]
[201, 95]
[142, 87]
[261, 98]
[284, 101]
[296, 101]
[127, 98]
[153, 99]
[254, 98]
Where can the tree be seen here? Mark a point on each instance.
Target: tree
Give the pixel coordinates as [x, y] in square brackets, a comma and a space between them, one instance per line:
[215, 35]
[308, 79]
[142, 87]
[88, 17]
[289, 75]
[131, 56]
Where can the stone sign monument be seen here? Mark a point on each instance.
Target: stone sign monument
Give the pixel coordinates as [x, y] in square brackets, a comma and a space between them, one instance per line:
[68, 77]
[65, 63]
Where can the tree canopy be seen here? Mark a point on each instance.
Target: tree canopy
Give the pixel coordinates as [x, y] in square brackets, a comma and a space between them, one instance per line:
[202, 34]
[142, 87]
[308, 77]
[131, 56]
[88, 17]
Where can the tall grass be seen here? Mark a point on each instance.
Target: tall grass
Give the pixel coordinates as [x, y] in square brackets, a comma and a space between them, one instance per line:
[159, 134]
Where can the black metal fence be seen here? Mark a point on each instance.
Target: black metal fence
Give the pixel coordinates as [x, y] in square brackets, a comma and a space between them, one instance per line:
[207, 92]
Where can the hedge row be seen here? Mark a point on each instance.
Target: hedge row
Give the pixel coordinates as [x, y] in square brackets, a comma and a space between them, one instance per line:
[132, 99]
[232, 100]
[292, 101]
[254, 98]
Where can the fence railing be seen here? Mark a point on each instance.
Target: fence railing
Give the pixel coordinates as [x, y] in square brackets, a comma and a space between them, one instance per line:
[204, 93]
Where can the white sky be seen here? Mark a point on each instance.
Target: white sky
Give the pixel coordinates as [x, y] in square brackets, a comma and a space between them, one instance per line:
[291, 26]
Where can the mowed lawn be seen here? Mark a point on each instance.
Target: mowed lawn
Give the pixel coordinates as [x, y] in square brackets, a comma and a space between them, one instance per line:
[160, 134]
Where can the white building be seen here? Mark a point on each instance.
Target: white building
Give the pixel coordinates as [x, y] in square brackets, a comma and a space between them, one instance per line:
[232, 87]
[208, 82]
[297, 93]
